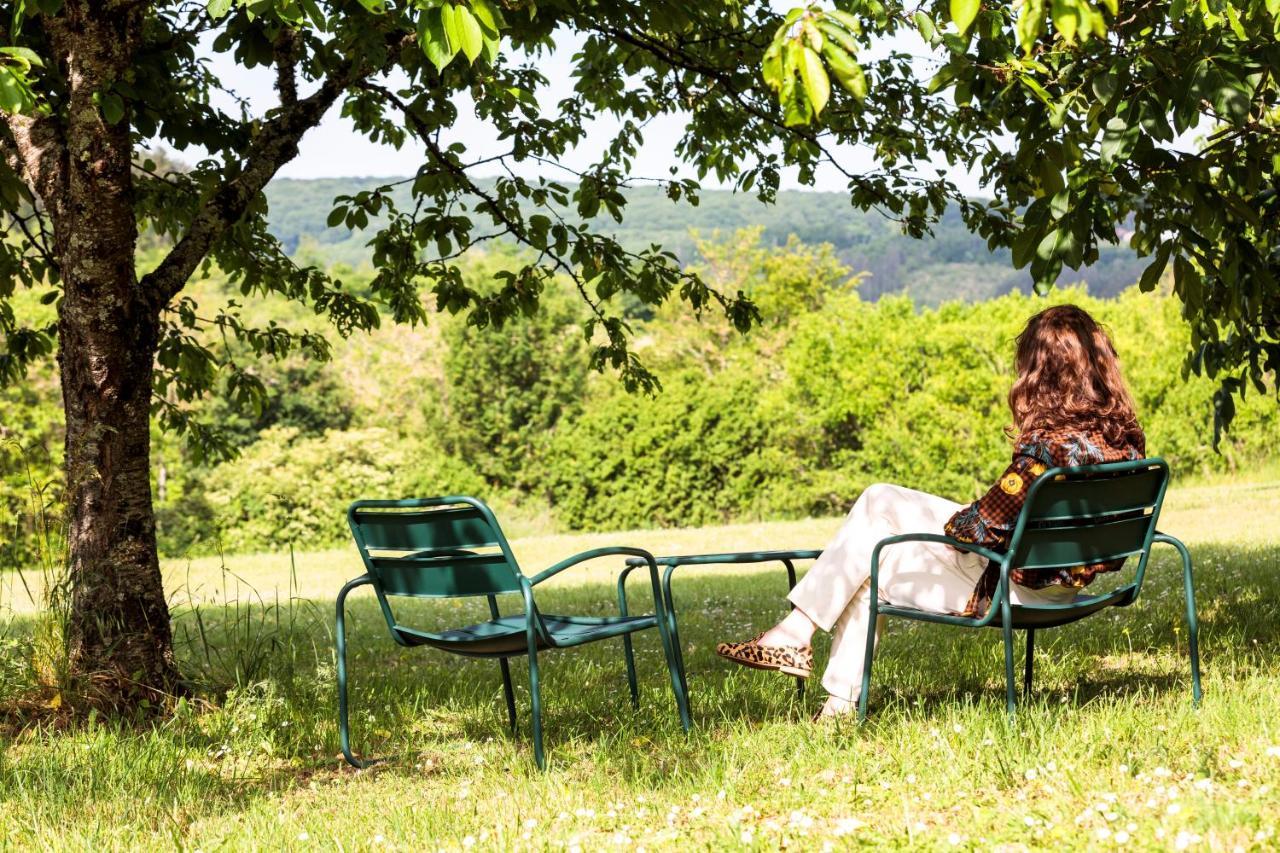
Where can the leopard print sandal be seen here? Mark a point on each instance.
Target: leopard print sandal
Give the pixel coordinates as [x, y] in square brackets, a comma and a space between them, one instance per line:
[789, 660]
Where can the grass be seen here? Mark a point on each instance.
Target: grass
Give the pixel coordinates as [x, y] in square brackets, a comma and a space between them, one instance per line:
[1108, 752]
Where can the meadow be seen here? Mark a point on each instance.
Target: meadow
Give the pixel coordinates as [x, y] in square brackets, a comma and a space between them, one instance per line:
[1108, 752]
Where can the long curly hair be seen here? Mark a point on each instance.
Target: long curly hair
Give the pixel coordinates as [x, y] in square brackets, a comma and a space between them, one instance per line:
[1069, 378]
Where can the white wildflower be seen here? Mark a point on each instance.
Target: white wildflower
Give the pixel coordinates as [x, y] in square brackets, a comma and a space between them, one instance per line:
[847, 825]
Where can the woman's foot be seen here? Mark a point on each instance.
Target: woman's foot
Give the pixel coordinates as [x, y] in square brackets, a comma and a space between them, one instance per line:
[786, 647]
[835, 708]
[787, 659]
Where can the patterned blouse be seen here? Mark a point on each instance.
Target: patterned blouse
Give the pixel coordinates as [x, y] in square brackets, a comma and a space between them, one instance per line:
[989, 520]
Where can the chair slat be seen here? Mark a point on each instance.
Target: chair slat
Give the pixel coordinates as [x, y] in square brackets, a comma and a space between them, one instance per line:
[445, 577]
[1060, 546]
[464, 527]
[1097, 497]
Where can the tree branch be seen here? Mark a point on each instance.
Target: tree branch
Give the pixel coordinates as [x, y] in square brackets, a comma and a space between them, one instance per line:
[37, 154]
[285, 50]
[275, 144]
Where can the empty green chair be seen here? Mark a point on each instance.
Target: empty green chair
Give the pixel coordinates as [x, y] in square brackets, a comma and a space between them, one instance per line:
[1072, 517]
[451, 547]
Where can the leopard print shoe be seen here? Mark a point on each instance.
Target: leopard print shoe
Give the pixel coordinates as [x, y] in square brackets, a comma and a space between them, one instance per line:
[789, 660]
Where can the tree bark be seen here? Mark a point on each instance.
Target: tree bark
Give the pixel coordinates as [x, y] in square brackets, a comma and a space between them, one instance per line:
[120, 641]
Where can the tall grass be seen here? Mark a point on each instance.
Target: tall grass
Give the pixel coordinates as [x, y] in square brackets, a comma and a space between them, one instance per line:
[36, 659]
[234, 636]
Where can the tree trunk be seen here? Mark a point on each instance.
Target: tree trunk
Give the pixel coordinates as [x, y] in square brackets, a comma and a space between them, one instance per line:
[120, 641]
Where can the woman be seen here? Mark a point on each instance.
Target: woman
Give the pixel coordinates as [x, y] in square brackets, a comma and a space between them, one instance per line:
[1070, 407]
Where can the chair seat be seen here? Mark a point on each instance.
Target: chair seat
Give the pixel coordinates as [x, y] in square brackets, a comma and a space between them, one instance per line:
[505, 637]
[1027, 616]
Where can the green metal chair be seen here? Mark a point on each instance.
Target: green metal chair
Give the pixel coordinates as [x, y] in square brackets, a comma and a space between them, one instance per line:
[1072, 516]
[451, 547]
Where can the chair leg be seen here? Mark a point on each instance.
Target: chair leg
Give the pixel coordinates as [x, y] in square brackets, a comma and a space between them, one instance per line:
[344, 724]
[675, 666]
[509, 691]
[1193, 625]
[628, 652]
[869, 655]
[1011, 692]
[669, 603]
[791, 584]
[535, 693]
[1030, 663]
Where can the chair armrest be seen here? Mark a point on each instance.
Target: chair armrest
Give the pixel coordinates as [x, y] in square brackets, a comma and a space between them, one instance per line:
[942, 540]
[591, 555]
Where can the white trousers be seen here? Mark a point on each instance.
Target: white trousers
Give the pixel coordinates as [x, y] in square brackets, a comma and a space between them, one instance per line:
[835, 592]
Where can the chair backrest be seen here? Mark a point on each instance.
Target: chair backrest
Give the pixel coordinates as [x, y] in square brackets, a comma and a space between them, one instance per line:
[444, 547]
[1090, 514]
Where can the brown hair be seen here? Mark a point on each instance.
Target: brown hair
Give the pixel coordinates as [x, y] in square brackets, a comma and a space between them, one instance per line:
[1069, 377]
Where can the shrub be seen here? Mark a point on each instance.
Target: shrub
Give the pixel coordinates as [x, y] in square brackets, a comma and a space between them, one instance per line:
[286, 488]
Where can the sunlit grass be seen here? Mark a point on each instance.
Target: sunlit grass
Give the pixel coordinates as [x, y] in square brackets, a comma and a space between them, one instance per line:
[1108, 752]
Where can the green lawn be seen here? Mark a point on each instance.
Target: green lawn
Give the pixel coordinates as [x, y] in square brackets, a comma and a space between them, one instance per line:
[1109, 752]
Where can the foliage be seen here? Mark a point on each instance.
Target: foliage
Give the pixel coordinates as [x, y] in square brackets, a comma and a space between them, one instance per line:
[288, 489]
[509, 386]
[1083, 117]
[853, 393]
[30, 457]
[698, 453]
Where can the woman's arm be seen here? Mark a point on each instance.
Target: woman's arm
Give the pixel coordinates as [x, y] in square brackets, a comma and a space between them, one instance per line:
[989, 520]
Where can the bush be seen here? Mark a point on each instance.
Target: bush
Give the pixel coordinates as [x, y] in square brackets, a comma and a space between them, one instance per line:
[799, 421]
[507, 389]
[289, 489]
[698, 453]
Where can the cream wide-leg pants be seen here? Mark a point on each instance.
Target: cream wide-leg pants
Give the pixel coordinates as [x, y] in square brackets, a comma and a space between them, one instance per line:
[835, 593]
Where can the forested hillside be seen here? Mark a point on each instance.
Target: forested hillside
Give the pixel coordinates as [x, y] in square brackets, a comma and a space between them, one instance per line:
[953, 264]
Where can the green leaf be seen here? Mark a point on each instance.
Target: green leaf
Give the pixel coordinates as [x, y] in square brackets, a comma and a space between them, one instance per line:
[452, 28]
[110, 105]
[816, 84]
[1151, 275]
[942, 79]
[925, 25]
[813, 34]
[219, 8]
[1066, 19]
[1118, 139]
[795, 109]
[1030, 24]
[471, 36]
[964, 12]
[846, 71]
[489, 17]
[834, 31]
[433, 41]
[12, 99]
[771, 66]
[849, 22]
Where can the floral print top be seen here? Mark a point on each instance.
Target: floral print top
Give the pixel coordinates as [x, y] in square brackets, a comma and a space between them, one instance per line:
[989, 520]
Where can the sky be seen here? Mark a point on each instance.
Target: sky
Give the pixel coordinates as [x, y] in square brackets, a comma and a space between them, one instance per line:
[335, 149]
